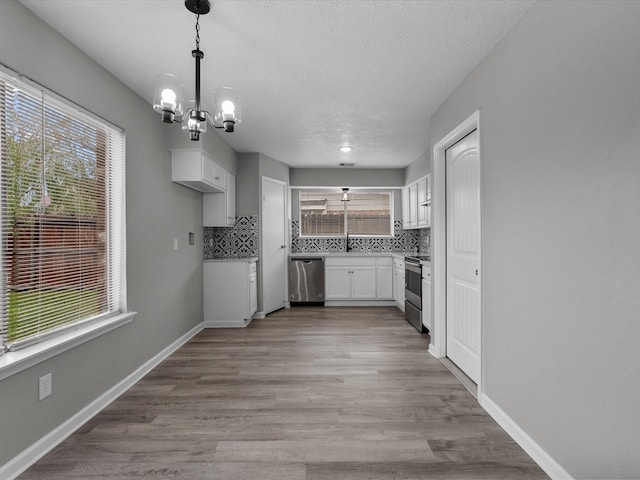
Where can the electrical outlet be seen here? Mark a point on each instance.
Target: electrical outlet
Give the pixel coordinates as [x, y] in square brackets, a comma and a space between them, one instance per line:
[175, 244]
[44, 386]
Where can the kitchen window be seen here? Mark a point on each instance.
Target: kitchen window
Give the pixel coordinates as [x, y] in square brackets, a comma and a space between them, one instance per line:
[325, 214]
[62, 216]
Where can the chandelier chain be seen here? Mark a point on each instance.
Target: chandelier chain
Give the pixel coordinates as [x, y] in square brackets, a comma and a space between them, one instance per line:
[198, 32]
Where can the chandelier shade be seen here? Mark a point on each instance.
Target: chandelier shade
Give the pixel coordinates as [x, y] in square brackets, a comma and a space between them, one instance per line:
[169, 97]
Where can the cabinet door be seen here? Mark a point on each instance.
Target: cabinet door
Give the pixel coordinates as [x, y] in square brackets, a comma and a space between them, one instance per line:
[337, 282]
[219, 178]
[214, 210]
[405, 207]
[426, 302]
[208, 167]
[413, 205]
[363, 282]
[253, 294]
[230, 198]
[398, 286]
[428, 207]
[422, 200]
[385, 282]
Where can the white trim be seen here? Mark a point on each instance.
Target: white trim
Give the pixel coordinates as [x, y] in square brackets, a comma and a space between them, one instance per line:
[39, 449]
[528, 444]
[227, 323]
[14, 362]
[360, 303]
[438, 346]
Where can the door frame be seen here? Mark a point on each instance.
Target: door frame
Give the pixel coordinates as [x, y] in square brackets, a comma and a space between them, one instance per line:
[287, 240]
[438, 345]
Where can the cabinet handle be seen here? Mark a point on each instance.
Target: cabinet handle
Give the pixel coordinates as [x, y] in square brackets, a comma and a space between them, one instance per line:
[217, 178]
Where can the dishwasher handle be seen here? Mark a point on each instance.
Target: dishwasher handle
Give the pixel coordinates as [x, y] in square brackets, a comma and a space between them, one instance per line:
[307, 260]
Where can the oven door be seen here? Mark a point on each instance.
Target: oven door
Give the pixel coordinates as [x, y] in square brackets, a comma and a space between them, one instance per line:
[413, 284]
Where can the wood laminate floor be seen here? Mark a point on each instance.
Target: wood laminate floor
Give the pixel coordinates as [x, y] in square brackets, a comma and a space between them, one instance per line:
[304, 394]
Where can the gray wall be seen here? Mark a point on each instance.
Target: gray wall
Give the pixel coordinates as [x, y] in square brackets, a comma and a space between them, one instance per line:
[417, 169]
[248, 184]
[560, 135]
[347, 177]
[270, 167]
[164, 287]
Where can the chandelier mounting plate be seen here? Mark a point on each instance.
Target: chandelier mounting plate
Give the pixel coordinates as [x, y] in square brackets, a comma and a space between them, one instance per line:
[198, 7]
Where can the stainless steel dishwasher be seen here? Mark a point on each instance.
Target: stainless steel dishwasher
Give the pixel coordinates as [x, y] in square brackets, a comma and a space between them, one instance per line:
[306, 281]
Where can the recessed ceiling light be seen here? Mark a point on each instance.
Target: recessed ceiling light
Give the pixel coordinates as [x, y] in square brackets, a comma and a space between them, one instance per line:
[346, 148]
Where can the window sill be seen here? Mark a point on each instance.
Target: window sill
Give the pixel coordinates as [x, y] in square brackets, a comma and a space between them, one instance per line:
[14, 362]
[342, 237]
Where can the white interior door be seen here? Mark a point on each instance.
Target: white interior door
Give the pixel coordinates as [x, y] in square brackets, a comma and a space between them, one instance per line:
[273, 259]
[463, 255]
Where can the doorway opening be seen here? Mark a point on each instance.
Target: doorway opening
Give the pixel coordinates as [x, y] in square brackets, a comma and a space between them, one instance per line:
[457, 302]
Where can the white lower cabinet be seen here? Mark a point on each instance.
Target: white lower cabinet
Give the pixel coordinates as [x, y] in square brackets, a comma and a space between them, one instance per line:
[230, 292]
[350, 282]
[426, 296]
[358, 278]
[384, 277]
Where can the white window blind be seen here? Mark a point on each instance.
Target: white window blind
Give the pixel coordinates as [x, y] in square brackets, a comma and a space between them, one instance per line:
[325, 214]
[62, 214]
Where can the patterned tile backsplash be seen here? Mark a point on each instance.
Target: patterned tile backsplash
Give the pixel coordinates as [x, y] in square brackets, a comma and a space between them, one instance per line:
[238, 241]
[402, 241]
[241, 240]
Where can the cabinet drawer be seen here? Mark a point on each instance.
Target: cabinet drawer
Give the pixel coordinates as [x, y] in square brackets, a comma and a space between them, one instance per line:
[384, 261]
[357, 261]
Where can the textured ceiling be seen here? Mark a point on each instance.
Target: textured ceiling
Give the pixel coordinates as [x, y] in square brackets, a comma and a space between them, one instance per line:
[312, 75]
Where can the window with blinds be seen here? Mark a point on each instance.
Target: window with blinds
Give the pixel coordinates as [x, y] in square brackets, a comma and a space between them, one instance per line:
[62, 178]
[364, 214]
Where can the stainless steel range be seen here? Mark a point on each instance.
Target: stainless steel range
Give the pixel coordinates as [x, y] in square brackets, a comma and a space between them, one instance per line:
[413, 290]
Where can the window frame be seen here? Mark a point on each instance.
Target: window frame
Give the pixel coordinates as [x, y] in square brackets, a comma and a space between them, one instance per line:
[39, 348]
[352, 190]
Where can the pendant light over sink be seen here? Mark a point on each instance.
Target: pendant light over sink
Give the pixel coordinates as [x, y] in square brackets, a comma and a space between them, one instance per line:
[168, 99]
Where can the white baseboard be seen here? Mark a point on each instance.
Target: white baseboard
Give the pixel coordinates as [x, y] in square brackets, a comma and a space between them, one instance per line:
[226, 323]
[528, 444]
[359, 303]
[434, 351]
[39, 449]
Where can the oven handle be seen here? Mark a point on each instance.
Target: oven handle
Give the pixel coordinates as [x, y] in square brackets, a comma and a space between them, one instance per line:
[413, 268]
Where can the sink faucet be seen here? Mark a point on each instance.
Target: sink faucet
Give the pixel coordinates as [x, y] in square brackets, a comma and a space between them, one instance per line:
[348, 246]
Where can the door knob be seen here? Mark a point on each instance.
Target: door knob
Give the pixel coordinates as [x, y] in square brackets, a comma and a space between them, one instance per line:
[283, 246]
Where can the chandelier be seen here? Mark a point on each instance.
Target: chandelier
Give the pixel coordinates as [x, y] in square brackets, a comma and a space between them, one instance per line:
[168, 99]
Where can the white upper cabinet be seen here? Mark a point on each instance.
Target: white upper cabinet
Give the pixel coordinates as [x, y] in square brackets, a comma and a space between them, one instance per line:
[219, 209]
[194, 168]
[416, 204]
